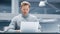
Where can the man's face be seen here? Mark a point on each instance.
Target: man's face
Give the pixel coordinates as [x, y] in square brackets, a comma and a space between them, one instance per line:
[25, 9]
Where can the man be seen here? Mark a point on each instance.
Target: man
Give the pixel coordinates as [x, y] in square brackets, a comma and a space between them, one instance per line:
[25, 16]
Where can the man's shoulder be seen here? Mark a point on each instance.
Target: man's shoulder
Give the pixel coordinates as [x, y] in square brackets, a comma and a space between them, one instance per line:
[33, 16]
[16, 17]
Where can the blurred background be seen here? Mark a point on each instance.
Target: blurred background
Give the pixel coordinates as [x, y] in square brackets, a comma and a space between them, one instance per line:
[47, 10]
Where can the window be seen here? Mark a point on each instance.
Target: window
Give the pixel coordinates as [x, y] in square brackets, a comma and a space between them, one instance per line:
[50, 8]
[5, 6]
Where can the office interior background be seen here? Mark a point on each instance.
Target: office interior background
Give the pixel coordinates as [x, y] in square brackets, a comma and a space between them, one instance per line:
[47, 10]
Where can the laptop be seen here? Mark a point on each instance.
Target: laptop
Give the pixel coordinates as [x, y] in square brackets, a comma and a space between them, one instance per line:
[29, 26]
